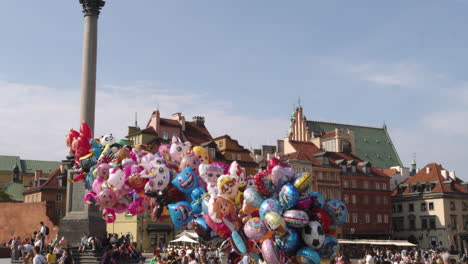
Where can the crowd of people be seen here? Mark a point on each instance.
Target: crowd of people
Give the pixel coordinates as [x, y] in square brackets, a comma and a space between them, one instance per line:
[385, 255]
[184, 257]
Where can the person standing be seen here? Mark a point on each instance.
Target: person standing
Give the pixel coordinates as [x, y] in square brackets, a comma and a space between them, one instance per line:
[192, 259]
[38, 258]
[51, 257]
[369, 258]
[14, 246]
[45, 233]
[39, 241]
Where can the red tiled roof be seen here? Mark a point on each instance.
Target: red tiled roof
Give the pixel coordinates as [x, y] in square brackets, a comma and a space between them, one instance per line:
[304, 151]
[196, 134]
[52, 182]
[434, 175]
[148, 130]
[170, 122]
[329, 134]
[390, 172]
[348, 156]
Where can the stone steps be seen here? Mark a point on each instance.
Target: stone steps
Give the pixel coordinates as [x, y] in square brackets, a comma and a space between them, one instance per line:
[87, 258]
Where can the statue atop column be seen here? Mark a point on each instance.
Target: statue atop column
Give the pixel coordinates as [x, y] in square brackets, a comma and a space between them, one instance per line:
[92, 7]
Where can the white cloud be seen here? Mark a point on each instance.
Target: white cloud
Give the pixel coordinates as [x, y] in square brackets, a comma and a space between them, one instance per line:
[399, 75]
[35, 118]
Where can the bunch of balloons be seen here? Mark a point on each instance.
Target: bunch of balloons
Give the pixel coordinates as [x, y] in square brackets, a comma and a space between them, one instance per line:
[271, 215]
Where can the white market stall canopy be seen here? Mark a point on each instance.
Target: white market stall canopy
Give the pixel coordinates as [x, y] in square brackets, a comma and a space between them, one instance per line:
[184, 239]
[398, 243]
[189, 234]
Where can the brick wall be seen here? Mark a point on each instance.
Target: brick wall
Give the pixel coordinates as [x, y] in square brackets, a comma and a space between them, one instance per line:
[22, 219]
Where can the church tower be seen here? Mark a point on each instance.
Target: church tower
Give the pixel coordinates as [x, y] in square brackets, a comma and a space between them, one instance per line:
[298, 130]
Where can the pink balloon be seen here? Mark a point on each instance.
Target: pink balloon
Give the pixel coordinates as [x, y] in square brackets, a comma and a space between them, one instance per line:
[220, 228]
[97, 185]
[269, 252]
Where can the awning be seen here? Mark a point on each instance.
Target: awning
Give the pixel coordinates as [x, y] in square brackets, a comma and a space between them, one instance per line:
[161, 228]
[184, 239]
[188, 233]
[398, 243]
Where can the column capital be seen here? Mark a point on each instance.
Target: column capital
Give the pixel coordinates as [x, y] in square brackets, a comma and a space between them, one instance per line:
[92, 7]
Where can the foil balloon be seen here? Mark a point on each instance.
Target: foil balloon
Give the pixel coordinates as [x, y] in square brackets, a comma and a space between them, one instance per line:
[116, 178]
[180, 213]
[303, 181]
[322, 217]
[313, 235]
[136, 207]
[317, 199]
[210, 174]
[159, 178]
[252, 201]
[238, 243]
[296, 218]
[270, 252]
[270, 205]
[304, 202]
[202, 154]
[227, 187]
[136, 182]
[290, 243]
[223, 166]
[190, 160]
[329, 248]
[273, 162]
[186, 181]
[178, 149]
[275, 224]
[254, 229]
[307, 256]
[288, 196]
[281, 175]
[262, 182]
[220, 228]
[337, 211]
[106, 198]
[102, 171]
[202, 229]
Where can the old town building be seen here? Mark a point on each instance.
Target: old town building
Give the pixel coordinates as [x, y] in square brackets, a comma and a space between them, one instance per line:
[368, 143]
[231, 150]
[51, 189]
[431, 209]
[160, 130]
[15, 169]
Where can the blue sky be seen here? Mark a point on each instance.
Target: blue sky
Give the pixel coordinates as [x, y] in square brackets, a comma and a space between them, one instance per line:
[244, 63]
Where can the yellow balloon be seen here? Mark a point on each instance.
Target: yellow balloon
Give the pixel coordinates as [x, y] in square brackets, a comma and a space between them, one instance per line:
[303, 181]
[202, 154]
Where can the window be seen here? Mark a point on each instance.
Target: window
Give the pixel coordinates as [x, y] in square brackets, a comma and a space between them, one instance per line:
[412, 224]
[377, 200]
[58, 197]
[423, 207]
[465, 222]
[355, 218]
[411, 207]
[212, 152]
[165, 135]
[398, 223]
[353, 184]
[353, 199]
[367, 218]
[366, 185]
[453, 221]
[452, 205]
[345, 184]
[377, 186]
[366, 199]
[432, 223]
[233, 156]
[174, 134]
[385, 200]
[58, 213]
[400, 208]
[220, 144]
[239, 157]
[384, 186]
[423, 223]
[346, 198]
[379, 218]
[465, 206]
[431, 206]
[385, 219]
[320, 175]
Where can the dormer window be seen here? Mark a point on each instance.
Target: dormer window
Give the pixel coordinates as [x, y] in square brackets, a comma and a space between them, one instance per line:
[165, 135]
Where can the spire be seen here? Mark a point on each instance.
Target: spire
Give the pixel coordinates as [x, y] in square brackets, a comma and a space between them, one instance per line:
[136, 119]
[413, 165]
[384, 126]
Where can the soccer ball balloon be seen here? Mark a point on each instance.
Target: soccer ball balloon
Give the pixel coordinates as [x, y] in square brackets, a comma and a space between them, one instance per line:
[313, 235]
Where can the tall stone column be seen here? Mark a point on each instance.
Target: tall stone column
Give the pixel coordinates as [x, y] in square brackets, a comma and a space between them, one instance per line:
[91, 10]
[80, 217]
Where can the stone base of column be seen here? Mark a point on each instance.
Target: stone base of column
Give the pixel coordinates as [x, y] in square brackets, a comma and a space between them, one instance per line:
[73, 228]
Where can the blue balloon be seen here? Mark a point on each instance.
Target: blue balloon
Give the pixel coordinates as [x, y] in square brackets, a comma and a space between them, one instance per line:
[307, 256]
[186, 181]
[202, 229]
[329, 248]
[239, 242]
[196, 206]
[180, 213]
[96, 146]
[317, 199]
[197, 193]
[270, 205]
[338, 211]
[290, 243]
[288, 196]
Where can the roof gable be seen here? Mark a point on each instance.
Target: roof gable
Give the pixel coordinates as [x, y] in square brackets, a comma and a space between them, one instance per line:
[372, 144]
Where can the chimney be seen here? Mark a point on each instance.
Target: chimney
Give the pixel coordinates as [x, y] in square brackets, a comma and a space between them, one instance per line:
[444, 173]
[179, 118]
[199, 121]
[37, 174]
[452, 175]
[428, 170]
